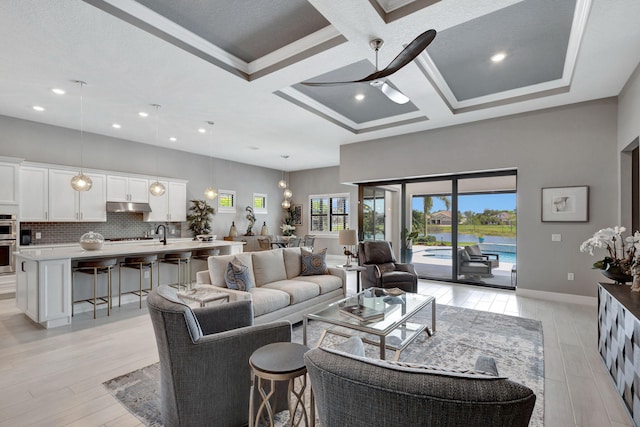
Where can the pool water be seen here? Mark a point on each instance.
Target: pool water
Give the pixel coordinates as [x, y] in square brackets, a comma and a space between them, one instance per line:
[445, 253]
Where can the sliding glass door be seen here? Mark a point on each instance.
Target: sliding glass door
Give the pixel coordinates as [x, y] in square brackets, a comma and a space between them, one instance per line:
[461, 228]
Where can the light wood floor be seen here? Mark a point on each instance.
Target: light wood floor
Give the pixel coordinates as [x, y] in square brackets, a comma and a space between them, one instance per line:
[54, 377]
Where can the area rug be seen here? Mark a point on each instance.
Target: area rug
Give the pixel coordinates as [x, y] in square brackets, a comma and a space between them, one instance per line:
[461, 336]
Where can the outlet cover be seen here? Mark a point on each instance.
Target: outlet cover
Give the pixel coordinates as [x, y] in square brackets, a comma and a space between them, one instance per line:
[556, 237]
[570, 276]
[38, 235]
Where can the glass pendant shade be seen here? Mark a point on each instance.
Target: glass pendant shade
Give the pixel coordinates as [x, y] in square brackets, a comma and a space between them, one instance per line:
[282, 184]
[210, 193]
[287, 194]
[81, 182]
[286, 204]
[157, 189]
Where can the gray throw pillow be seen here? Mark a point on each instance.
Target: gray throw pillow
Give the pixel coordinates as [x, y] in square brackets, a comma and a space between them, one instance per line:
[237, 276]
[313, 264]
[242, 276]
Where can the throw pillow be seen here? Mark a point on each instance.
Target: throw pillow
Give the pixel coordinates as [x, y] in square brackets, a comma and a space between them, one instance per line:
[386, 267]
[242, 276]
[237, 276]
[313, 264]
[229, 277]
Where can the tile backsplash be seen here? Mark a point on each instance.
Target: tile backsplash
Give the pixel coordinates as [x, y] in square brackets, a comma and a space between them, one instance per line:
[118, 225]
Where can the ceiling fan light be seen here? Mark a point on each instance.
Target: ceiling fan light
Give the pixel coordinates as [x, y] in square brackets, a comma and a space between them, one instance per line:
[286, 204]
[157, 188]
[81, 182]
[282, 184]
[210, 193]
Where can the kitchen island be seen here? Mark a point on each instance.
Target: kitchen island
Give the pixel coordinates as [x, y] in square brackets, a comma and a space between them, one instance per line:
[43, 275]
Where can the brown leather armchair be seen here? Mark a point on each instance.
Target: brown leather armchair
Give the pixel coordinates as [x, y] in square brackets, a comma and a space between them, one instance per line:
[382, 270]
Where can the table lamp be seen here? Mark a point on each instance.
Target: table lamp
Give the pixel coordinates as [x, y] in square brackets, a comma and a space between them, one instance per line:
[348, 239]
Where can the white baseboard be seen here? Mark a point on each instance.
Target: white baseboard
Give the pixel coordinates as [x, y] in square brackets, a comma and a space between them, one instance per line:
[555, 296]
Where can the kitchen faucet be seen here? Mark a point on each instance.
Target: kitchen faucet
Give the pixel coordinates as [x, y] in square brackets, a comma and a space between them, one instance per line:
[164, 233]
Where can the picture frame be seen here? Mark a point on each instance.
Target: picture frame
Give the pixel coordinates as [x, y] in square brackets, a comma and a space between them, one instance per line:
[296, 212]
[565, 204]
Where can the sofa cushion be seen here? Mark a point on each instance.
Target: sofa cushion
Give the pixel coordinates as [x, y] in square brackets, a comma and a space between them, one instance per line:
[229, 277]
[326, 282]
[267, 300]
[313, 263]
[292, 262]
[386, 267]
[298, 290]
[217, 266]
[268, 266]
[464, 255]
[378, 252]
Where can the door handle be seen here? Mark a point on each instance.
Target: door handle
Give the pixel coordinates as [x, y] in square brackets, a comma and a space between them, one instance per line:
[22, 267]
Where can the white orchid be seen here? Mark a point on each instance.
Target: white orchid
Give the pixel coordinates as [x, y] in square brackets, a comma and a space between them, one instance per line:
[621, 252]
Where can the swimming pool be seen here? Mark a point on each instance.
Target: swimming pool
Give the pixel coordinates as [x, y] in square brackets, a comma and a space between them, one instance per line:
[445, 253]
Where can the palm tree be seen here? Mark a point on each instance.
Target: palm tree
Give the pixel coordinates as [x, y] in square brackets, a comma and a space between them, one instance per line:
[427, 205]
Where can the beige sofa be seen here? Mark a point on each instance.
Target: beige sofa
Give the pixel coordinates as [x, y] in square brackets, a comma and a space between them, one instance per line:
[280, 291]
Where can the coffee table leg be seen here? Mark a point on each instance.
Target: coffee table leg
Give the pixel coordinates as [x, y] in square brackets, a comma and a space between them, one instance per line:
[304, 330]
[383, 346]
[433, 316]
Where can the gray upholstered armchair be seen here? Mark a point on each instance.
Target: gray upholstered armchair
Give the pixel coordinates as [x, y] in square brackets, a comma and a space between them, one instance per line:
[204, 353]
[352, 390]
[382, 270]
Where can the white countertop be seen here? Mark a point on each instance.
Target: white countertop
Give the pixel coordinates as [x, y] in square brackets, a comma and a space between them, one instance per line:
[117, 249]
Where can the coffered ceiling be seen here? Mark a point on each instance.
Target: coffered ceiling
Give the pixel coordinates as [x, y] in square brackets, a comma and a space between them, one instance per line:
[240, 65]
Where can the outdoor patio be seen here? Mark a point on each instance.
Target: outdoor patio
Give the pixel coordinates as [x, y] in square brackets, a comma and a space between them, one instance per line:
[429, 266]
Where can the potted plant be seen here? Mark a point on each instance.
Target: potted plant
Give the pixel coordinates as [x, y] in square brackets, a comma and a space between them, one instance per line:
[409, 236]
[619, 263]
[480, 237]
[199, 221]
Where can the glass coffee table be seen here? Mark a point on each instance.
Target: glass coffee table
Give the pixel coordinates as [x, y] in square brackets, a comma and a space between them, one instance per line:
[393, 331]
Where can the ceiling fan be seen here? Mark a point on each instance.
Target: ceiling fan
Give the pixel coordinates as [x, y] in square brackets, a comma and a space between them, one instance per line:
[377, 79]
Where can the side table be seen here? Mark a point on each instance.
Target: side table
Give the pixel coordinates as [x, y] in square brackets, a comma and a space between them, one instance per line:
[281, 361]
[203, 295]
[357, 269]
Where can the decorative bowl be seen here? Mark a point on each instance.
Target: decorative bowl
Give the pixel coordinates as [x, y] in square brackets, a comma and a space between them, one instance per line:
[91, 241]
[206, 237]
[617, 277]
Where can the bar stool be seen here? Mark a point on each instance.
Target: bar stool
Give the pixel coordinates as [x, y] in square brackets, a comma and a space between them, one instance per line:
[95, 267]
[183, 261]
[139, 263]
[204, 254]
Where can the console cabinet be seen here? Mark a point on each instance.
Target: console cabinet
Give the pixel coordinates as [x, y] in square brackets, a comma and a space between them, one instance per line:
[619, 341]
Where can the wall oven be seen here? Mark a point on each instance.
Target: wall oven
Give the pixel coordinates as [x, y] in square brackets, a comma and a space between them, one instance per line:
[7, 243]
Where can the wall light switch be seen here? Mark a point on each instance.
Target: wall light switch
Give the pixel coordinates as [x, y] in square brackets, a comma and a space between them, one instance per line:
[570, 276]
[556, 237]
[38, 235]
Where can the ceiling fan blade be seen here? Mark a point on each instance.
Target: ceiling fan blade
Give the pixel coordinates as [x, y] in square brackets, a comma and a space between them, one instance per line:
[407, 55]
[393, 94]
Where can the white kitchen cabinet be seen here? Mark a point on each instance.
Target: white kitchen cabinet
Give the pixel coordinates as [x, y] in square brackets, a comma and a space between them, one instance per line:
[66, 204]
[9, 179]
[34, 193]
[127, 189]
[43, 290]
[171, 206]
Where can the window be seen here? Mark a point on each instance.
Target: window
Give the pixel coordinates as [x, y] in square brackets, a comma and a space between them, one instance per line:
[226, 201]
[329, 213]
[259, 203]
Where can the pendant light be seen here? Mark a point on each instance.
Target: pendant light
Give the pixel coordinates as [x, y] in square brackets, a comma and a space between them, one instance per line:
[287, 193]
[81, 182]
[156, 188]
[210, 192]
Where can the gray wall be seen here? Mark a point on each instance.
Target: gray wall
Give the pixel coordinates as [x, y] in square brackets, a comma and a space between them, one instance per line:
[50, 144]
[572, 145]
[629, 111]
[322, 181]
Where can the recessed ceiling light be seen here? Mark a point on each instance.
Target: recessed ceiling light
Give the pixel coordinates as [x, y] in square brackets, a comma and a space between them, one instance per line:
[116, 126]
[498, 57]
[143, 114]
[359, 97]
[201, 130]
[173, 139]
[38, 108]
[254, 148]
[58, 91]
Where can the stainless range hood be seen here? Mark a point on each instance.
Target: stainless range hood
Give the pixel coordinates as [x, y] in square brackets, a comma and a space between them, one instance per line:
[128, 207]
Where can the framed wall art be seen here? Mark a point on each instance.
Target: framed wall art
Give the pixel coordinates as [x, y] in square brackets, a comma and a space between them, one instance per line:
[565, 204]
